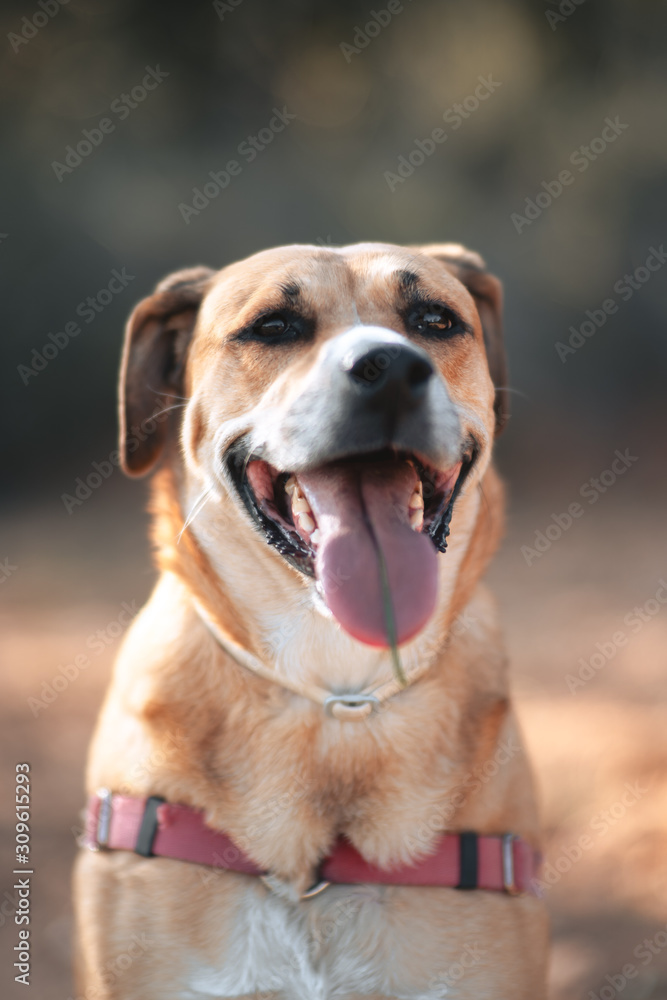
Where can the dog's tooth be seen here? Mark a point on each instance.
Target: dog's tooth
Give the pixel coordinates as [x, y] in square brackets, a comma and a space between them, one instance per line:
[315, 537]
[416, 518]
[291, 485]
[306, 522]
[416, 502]
[300, 505]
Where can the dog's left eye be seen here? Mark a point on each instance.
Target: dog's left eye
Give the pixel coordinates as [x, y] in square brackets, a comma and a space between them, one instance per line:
[434, 319]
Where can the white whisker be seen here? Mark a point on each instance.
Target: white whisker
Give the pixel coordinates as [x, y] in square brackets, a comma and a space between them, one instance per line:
[507, 388]
[175, 406]
[199, 503]
[169, 393]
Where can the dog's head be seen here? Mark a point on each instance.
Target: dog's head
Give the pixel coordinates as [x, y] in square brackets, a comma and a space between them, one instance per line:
[334, 402]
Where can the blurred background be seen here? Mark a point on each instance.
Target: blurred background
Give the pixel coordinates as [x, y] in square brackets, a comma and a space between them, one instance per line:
[93, 215]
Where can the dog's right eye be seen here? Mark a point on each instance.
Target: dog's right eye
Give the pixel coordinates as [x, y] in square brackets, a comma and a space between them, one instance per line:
[276, 328]
[284, 327]
[272, 326]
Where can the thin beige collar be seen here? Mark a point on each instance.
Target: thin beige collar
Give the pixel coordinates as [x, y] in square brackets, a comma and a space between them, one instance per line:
[346, 707]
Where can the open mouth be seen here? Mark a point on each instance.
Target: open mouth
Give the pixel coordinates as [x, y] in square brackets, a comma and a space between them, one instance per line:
[367, 528]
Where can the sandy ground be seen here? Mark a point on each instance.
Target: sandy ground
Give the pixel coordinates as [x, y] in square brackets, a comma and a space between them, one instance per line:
[599, 746]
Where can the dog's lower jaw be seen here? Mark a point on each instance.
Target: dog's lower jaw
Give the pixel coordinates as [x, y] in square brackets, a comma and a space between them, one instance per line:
[290, 626]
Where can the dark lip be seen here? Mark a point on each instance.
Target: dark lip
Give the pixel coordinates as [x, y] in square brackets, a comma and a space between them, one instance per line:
[288, 543]
[438, 509]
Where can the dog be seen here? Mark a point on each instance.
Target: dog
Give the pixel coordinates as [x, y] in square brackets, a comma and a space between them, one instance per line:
[307, 780]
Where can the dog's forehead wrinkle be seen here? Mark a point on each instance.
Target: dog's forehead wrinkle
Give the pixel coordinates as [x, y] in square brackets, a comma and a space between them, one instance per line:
[407, 280]
[314, 284]
[387, 276]
[384, 267]
[289, 283]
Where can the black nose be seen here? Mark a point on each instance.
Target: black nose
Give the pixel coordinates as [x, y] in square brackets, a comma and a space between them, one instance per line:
[390, 375]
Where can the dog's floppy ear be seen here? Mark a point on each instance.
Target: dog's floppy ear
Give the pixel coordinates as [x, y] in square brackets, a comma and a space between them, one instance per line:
[469, 268]
[151, 376]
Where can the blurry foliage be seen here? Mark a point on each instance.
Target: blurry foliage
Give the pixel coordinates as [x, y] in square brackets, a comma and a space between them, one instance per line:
[322, 179]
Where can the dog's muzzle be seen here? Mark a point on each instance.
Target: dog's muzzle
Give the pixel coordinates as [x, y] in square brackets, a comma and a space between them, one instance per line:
[354, 481]
[371, 389]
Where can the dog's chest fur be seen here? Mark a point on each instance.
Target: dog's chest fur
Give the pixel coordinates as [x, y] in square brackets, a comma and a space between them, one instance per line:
[311, 954]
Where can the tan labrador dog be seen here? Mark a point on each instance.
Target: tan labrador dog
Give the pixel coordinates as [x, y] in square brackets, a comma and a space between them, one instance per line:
[312, 663]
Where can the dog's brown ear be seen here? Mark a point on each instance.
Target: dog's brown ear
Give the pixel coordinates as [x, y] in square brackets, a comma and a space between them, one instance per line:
[487, 291]
[151, 376]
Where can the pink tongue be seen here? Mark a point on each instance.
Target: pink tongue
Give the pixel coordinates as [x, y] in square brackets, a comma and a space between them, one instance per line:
[359, 509]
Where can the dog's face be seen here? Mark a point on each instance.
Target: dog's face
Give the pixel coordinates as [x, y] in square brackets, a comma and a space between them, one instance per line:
[338, 400]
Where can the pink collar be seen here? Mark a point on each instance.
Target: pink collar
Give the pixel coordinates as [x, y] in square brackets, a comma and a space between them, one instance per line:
[152, 827]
